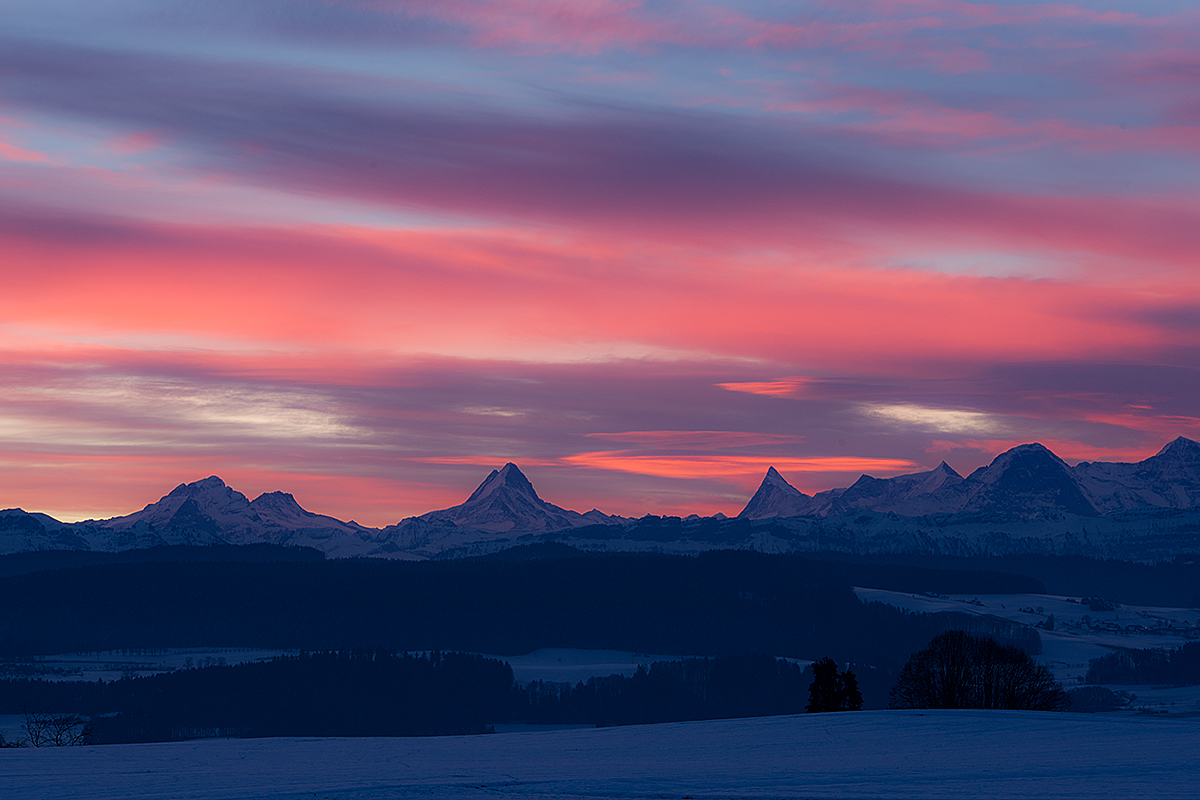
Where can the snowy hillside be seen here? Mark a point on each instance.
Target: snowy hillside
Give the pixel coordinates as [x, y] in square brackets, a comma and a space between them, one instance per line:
[886, 754]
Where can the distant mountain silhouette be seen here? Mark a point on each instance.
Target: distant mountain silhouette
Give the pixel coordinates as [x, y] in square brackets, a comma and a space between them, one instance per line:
[1026, 500]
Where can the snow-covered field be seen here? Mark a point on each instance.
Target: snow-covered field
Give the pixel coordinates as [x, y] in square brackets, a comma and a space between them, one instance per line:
[892, 754]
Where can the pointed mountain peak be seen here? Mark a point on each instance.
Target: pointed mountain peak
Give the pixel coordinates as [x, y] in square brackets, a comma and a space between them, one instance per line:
[1181, 448]
[775, 498]
[946, 469]
[506, 501]
[507, 477]
[773, 478]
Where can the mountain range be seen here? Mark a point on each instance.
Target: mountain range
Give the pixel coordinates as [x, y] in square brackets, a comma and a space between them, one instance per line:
[1025, 481]
[1026, 500]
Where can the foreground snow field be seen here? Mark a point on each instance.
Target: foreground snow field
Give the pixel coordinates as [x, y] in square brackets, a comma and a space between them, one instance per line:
[893, 754]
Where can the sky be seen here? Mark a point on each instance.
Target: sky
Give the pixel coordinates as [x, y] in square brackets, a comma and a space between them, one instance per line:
[366, 251]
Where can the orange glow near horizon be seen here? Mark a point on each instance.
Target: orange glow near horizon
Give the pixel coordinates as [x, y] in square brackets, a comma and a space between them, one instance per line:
[725, 467]
[647, 250]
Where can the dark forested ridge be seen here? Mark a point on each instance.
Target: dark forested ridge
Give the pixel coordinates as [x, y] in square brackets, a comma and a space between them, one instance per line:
[719, 603]
[1173, 584]
[1180, 667]
[356, 693]
[42, 560]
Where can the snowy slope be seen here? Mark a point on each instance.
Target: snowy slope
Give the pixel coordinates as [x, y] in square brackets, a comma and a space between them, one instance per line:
[23, 532]
[885, 754]
[1168, 479]
[937, 491]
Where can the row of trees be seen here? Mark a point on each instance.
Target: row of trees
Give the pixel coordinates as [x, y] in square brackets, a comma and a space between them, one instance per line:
[381, 693]
[1180, 666]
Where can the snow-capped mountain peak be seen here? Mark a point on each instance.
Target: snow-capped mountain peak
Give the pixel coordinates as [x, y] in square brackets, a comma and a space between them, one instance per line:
[278, 502]
[504, 503]
[927, 483]
[510, 478]
[774, 478]
[208, 499]
[1025, 481]
[1180, 451]
[776, 498]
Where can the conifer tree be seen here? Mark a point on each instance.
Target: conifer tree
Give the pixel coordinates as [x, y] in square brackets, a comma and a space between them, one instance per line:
[832, 690]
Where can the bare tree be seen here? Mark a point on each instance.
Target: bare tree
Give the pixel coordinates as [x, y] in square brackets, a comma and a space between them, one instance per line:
[958, 670]
[56, 730]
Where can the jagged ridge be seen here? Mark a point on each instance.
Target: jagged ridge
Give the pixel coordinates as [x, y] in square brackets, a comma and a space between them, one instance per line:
[1026, 481]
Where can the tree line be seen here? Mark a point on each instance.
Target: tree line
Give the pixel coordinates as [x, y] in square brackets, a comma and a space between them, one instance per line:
[1180, 666]
[720, 603]
[382, 693]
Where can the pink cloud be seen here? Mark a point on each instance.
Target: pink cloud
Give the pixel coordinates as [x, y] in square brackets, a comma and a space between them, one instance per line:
[11, 152]
[513, 292]
[746, 470]
[700, 439]
[786, 387]
[136, 143]
[585, 27]
[907, 33]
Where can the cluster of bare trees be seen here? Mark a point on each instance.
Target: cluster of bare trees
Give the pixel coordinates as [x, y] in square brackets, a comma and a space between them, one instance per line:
[43, 729]
[958, 670]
